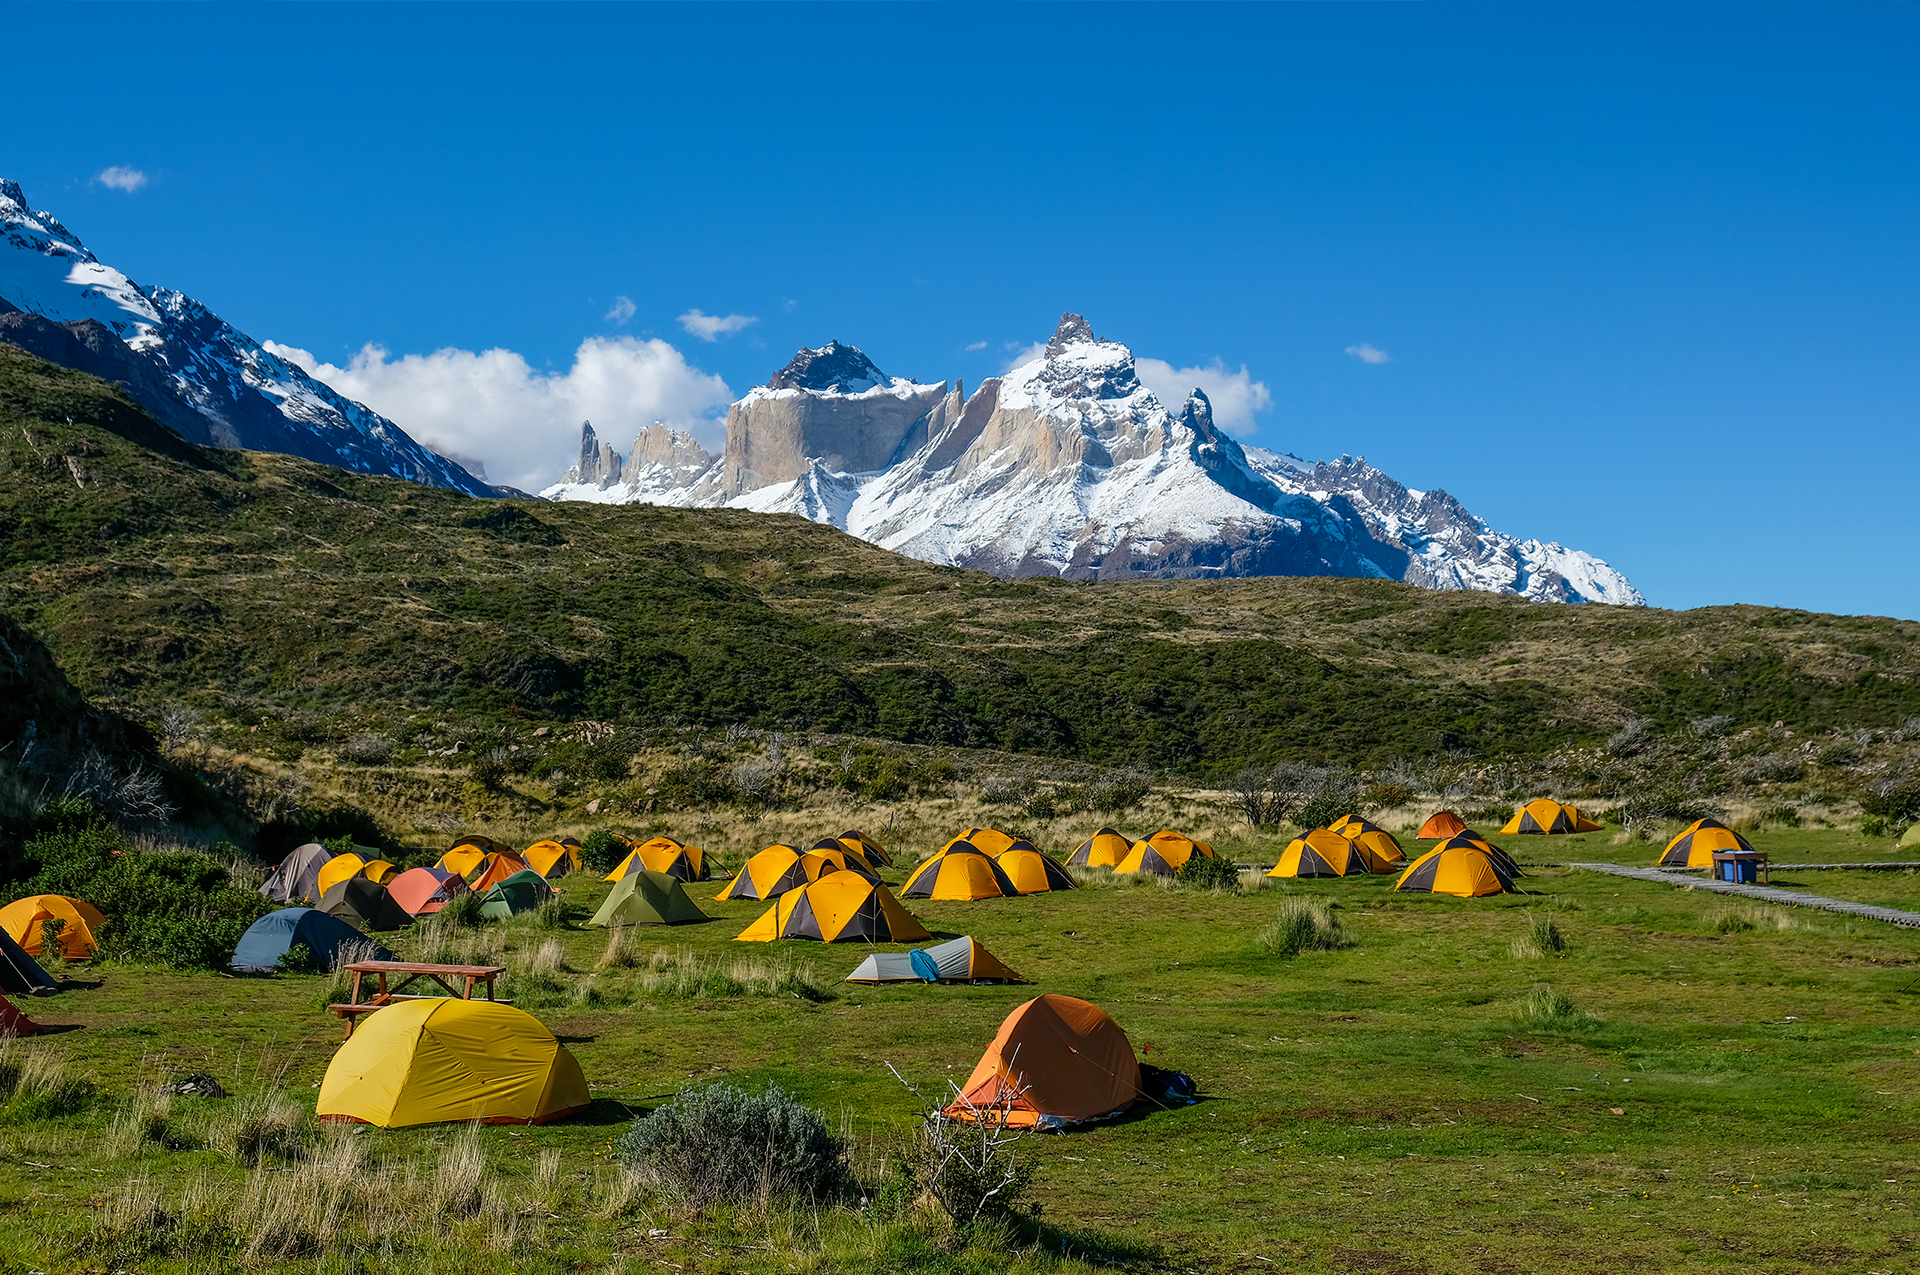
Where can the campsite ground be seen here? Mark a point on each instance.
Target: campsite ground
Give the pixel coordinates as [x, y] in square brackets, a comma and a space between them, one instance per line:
[1735, 1084]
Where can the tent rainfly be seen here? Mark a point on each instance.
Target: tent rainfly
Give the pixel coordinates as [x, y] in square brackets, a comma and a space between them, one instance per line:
[1325, 853]
[767, 874]
[1056, 1061]
[1030, 871]
[836, 908]
[961, 960]
[269, 938]
[424, 891]
[959, 872]
[988, 841]
[20, 974]
[552, 858]
[352, 864]
[440, 1059]
[1695, 846]
[1104, 849]
[647, 897]
[1462, 870]
[1440, 825]
[1164, 853]
[1548, 817]
[365, 905]
[22, 921]
[867, 847]
[524, 891]
[298, 875]
[664, 854]
[836, 858]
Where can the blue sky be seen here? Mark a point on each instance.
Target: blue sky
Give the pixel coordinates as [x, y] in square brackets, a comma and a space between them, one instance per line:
[1645, 277]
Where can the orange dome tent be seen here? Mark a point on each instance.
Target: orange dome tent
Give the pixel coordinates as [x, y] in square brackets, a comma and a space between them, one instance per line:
[494, 867]
[1104, 849]
[1030, 871]
[1695, 845]
[839, 906]
[1164, 853]
[1325, 853]
[961, 871]
[1440, 825]
[22, 921]
[1548, 817]
[1056, 1061]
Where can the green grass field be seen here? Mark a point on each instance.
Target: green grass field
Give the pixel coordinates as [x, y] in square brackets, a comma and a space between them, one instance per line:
[1734, 1088]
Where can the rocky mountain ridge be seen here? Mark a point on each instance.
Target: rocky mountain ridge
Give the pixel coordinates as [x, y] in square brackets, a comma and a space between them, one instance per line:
[197, 374]
[1069, 466]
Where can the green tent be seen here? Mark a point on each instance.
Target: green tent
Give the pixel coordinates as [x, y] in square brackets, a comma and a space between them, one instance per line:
[1911, 837]
[647, 897]
[522, 892]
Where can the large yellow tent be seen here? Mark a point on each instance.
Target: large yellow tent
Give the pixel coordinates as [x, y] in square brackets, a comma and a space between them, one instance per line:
[437, 1059]
[1695, 845]
[1544, 816]
[1351, 826]
[553, 858]
[1325, 853]
[1471, 840]
[961, 871]
[23, 918]
[1031, 871]
[664, 854]
[463, 858]
[1164, 853]
[1462, 870]
[1104, 849]
[838, 907]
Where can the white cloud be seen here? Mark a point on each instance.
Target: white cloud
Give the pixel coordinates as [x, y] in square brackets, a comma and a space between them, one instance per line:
[977, 345]
[1023, 355]
[623, 309]
[524, 424]
[711, 327]
[1367, 354]
[120, 177]
[1235, 396]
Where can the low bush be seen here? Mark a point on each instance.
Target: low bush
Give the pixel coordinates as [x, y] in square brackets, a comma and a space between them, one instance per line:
[716, 1142]
[1208, 872]
[1549, 1007]
[602, 851]
[1302, 925]
[1543, 938]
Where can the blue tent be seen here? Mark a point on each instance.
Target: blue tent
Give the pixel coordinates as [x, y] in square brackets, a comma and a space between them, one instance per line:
[268, 939]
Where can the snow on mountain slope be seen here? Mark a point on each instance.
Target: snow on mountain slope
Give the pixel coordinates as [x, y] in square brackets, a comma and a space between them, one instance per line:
[249, 396]
[1069, 466]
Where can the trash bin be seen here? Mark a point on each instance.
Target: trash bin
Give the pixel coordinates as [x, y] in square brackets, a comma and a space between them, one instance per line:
[1738, 866]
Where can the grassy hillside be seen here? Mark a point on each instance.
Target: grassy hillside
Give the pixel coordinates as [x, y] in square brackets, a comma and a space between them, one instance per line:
[265, 590]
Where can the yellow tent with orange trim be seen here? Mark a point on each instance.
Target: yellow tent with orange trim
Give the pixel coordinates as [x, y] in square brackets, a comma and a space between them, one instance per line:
[839, 907]
[440, 1058]
[23, 918]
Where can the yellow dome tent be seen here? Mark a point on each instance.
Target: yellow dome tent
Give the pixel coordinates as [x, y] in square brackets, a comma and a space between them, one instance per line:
[437, 1059]
[868, 848]
[1462, 870]
[1351, 826]
[988, 841]
[23, 918]
[1104, 849]
[1378, 841]
[552, 858]
[840, 906]
[345, 867]
[464, 857]
[1030, 871]
[1547, 817]
[961, 871]
[1325, 853]
[1695, 845]
[664, 854]
[767, 874]
[837, 858]
[1471, 840]
[1164, 853]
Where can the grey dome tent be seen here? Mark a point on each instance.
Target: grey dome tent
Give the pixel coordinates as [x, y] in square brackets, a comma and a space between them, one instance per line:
[20, 974]
[365, 905]
[269, 938]
[962, 960]
[298, 876]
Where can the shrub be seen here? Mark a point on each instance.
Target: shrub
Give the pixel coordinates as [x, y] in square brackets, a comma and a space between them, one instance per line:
[1302, 925]
[35, 1085]
[602, 850]
[1205, 872]
[716, 1142]
[1385, 796]
[1543, 938]
[463, 912]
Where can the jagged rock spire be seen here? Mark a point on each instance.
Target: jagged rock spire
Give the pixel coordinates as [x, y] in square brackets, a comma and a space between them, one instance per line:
[1072, 328]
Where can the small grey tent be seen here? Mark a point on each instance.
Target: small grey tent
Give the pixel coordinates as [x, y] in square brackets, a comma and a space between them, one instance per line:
[298, 876]
[963, 960]
[365, 905]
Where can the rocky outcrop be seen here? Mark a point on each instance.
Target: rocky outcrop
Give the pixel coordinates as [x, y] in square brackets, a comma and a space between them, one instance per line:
[89, 346]
[599, 464]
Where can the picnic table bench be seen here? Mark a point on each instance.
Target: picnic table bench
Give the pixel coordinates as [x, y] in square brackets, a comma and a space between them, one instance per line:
[406, 973]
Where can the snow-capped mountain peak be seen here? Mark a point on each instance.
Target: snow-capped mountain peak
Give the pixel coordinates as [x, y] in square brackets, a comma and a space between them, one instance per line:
[1068, 465]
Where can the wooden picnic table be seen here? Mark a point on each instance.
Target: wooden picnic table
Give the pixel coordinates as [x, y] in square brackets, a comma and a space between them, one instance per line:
[406, 974]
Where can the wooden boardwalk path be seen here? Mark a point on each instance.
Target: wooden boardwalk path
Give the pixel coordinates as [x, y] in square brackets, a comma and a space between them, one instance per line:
[1767, 893]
